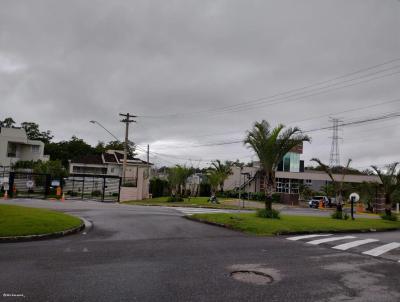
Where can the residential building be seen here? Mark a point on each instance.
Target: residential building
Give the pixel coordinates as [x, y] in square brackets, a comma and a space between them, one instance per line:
[15, 146]
[110, 164]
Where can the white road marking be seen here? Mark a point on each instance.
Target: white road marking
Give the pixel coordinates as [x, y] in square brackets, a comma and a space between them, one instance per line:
[346, 246]
[382, 249]
[308, 236]
[319, 241]
[190, 211]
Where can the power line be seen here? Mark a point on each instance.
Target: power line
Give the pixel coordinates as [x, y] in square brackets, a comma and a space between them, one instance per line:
[260, 101]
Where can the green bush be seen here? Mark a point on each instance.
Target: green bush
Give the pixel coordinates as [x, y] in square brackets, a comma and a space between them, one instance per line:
[175, 199]
[263, 213]
[158, 187]
[390, 217]
[96, 193]
[340, 215]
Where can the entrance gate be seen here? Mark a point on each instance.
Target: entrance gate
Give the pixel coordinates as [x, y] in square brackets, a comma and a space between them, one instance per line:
[103, 188]
[29, 185]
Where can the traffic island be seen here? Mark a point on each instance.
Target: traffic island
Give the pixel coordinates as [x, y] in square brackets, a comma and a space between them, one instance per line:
[19, 223]
[251, 224]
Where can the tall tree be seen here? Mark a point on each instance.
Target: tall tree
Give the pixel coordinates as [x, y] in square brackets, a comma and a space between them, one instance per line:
[271, 145]
[33, 132]
[177, 176]
[8, 122]
[221, 171]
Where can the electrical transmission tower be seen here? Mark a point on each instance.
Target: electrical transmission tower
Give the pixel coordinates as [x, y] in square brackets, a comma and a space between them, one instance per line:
[334, 158]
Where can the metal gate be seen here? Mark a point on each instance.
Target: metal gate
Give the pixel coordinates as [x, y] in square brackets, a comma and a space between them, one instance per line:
[29, 185]
[92, 187]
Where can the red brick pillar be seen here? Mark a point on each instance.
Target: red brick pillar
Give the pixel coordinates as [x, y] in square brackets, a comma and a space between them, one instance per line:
[380, 203]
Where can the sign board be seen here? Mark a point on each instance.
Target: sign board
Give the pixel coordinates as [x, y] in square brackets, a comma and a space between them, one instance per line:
[3, 180]
[30, 184]
[355, 196]
[55, 183]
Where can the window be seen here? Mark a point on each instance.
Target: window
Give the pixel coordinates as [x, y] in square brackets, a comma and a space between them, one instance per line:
[35, 149]
[12, 150]
[308, 182]
[112, 170]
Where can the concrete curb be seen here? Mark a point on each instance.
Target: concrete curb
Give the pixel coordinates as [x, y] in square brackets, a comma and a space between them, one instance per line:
[44, 236]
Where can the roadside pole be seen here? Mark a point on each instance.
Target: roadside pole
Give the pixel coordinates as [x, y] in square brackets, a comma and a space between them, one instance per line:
[127, 120]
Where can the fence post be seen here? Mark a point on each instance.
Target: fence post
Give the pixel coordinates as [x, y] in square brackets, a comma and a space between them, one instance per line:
[104, 188]
[83, 186]
[11, 184]
[119, 189]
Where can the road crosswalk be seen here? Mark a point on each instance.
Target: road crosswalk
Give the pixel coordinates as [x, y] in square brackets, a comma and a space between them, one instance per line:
[192, 211]
[369, 246]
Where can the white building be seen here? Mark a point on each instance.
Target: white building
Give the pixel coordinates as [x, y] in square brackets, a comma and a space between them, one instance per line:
[110, 164]
[15, 146]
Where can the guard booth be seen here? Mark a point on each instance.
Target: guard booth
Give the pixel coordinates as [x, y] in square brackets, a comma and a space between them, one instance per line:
[29, 185]
[104, 188]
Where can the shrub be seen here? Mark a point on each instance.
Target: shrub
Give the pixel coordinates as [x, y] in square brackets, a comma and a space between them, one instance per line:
[340, 215]
[158, 187]
[390, 217]
[263, 213]
[96, 193]
[175, 199]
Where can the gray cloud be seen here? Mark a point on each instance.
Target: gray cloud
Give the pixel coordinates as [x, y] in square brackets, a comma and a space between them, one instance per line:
[63, 63]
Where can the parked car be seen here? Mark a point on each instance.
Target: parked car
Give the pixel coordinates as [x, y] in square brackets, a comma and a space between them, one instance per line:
[315, 200]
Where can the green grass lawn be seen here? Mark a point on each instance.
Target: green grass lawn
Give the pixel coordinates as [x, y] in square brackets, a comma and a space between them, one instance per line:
[19, 221]
[251, 224]
[192, 202]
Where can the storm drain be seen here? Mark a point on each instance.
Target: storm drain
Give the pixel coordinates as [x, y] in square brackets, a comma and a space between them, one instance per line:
[253, 277]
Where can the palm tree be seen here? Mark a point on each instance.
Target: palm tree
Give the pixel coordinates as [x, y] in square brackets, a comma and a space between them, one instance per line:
[214, 180]
[221, 171]
[337, 185]
[390, 181]
[177, 178]
[271, 145]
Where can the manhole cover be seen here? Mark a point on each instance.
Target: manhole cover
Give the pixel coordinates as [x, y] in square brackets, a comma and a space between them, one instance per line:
[253, 277]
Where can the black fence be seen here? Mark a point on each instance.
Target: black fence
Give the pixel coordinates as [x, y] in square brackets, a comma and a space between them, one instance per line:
[92, 187]
[76, 186]
[28, 185]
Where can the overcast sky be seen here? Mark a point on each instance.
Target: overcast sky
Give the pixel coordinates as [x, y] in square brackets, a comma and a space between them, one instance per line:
[182, 63]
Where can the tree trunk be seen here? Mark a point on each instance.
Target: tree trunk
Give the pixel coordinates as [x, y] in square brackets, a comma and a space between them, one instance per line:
[268, 194]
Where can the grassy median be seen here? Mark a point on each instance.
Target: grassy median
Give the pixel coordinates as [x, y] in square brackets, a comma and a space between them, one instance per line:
[251, 224]
[199, 202]
[22, 221]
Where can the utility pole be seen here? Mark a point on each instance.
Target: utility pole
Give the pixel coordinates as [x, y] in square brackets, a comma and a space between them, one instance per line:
[148, 160]
[127, 120]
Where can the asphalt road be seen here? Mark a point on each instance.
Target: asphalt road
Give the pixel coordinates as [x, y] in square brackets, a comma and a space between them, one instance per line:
[137, 253]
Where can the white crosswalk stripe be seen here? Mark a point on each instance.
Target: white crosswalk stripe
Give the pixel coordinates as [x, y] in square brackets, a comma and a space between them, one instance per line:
[307, 236]
[382, 249]
[375, 252]
[319, 241]
[349, 245]
[191, 211]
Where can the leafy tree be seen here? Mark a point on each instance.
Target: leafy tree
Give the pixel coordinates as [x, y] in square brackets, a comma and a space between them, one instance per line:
[305, 192]
[52, 167]
[390, 180]
[177, 176]
[8, 122]
[221, 171]
[33, 132]
[66, 150]
[214, 180]
[271, 145]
